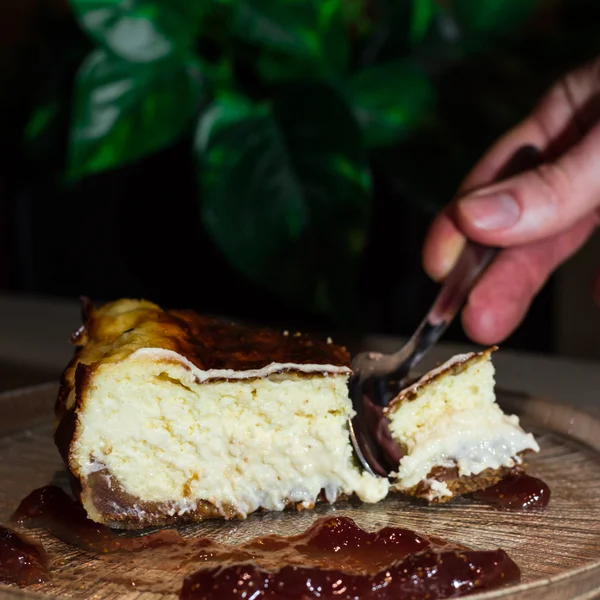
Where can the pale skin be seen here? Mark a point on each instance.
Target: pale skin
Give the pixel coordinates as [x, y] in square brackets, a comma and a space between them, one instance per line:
[539, 218]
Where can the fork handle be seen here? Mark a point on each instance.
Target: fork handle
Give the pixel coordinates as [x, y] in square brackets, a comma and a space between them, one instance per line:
[473, 261]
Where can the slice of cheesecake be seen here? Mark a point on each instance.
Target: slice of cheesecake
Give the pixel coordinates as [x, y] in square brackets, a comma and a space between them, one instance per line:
[166, 417]
[454, 436]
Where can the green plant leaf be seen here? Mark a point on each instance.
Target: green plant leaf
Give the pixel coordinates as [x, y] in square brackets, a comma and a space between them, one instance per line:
[311, 33]
[277, 67]
[284, 192]
[423, 12]
[492, 16]
[400, 24]
[359, 17]
[40, 120]
[390, 100]
[141, 30]
[123, 111]
[251, 201]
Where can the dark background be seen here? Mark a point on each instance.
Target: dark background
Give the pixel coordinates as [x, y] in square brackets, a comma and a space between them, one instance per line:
[136, 231]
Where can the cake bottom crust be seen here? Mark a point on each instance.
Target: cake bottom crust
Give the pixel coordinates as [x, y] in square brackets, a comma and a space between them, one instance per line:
[459, 485]
[107, 502]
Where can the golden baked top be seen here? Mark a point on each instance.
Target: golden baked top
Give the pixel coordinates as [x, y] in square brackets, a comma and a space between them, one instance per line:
[116, 330]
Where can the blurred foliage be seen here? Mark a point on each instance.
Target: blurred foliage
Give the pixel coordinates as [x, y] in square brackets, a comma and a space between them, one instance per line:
[291, 108]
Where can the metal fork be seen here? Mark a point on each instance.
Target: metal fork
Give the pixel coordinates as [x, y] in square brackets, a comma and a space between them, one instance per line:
[378, 378]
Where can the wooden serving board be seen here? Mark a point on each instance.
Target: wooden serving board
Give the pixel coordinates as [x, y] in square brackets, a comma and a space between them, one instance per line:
[558, 550]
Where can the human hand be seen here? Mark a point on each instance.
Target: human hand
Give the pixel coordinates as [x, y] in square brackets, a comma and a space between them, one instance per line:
[539, 218]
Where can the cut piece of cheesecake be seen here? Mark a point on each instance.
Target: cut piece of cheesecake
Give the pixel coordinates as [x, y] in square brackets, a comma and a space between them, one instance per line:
[167, 417]
[454, 436]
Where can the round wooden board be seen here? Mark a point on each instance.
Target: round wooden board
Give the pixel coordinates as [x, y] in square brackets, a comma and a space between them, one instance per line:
[558, 550]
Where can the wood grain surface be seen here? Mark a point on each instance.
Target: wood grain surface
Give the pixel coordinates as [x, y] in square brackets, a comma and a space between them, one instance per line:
[558, 550]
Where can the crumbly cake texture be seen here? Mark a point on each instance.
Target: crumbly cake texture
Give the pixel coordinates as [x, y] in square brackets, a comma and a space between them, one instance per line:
[166, 417]
[455, 437]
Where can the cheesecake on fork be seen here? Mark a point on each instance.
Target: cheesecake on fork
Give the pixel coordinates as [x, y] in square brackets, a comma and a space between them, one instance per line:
[454, 437]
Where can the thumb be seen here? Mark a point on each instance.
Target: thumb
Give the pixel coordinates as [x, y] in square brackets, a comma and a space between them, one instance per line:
[538, 203]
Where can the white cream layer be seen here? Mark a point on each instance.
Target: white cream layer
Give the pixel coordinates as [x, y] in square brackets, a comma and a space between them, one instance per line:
[270, 369]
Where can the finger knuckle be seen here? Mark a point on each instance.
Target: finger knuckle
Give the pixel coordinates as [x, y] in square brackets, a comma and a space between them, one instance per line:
[558, 93]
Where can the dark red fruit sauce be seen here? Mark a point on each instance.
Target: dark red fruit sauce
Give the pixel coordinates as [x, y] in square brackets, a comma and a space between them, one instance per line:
[333, 559]
[53, 509]
[21, 561]
[336, 559]
[517, 492]
[428, 575]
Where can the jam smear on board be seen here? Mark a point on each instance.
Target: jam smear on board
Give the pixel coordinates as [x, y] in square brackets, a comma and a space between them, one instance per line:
[426, 575]
[330, 543]
[517, 492]
[53, 509]
[341, 561]
[332, 559]
[21, 561]
[336, 559]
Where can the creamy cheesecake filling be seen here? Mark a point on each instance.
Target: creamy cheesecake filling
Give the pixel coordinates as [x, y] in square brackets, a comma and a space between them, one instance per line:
[453, 421]
[248, 443]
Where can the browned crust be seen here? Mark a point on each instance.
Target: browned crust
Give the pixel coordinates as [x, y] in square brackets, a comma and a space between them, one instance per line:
[118, 329]
[76, 382]
[413, 391]
[121, 510]
[460, 486]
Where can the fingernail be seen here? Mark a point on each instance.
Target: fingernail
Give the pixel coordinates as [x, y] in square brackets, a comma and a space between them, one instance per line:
[489, 213]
